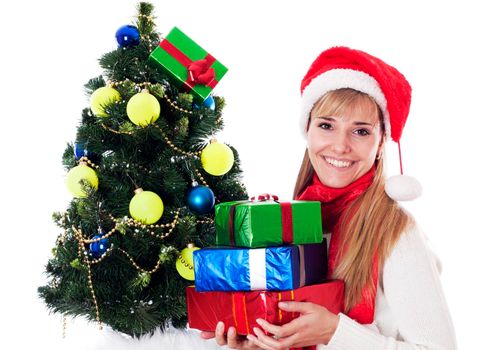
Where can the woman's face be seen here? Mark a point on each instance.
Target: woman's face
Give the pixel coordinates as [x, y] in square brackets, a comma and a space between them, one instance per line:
[343, 147]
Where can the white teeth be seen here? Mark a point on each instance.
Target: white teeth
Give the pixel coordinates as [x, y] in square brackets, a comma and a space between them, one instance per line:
[338, 163]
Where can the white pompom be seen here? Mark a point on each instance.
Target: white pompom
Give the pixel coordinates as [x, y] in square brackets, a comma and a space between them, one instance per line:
[403, 188]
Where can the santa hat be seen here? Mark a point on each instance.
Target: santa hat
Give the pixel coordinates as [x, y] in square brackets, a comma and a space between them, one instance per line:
[342, 67]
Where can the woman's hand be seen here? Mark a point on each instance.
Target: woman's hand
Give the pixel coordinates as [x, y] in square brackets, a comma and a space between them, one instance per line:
[233, 341]
[315, 325]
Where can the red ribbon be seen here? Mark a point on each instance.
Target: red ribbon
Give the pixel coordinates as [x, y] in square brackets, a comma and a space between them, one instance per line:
[286, 213]
[239, 313]
[200, 72]
[231, 224]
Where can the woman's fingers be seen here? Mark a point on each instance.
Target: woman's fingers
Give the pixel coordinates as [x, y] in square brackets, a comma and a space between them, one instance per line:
[219, 334]
[297, 306]
[283, 331]
[232, 338]
[265, 341]
[207, 335]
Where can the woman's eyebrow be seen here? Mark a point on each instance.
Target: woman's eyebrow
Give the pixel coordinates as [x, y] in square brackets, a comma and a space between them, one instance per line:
[363, 123]
[331, 119]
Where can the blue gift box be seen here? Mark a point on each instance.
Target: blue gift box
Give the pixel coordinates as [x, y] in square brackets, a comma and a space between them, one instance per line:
[271, 268]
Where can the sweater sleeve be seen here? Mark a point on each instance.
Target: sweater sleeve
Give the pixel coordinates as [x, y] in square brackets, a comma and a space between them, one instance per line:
[411, 284]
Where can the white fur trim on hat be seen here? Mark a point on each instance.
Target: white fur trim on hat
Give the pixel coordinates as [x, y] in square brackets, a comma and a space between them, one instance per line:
[338, 79]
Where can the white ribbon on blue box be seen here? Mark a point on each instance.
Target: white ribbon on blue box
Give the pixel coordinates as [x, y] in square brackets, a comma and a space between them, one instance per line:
[272, 268]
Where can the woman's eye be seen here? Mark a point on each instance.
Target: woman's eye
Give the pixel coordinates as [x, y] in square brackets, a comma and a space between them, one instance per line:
[325, 126]
[362, 132]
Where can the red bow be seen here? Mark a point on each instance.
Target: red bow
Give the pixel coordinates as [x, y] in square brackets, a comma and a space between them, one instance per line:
[200, 72]
[264, 197]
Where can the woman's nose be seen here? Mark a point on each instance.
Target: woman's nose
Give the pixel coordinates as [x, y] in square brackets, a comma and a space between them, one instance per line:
[341, 143]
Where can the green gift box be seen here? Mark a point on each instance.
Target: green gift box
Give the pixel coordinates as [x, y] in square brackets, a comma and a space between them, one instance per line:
[188, 64]
[268, 223]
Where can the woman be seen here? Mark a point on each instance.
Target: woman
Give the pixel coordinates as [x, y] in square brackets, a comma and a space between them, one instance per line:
[352, 102]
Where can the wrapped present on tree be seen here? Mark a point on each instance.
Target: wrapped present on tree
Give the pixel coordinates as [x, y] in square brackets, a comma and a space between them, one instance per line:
[272, 268]
[264, 223]
[188, 64]
[241, 309]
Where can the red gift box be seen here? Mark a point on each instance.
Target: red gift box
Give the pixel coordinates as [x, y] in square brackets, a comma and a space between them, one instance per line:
[241, 309]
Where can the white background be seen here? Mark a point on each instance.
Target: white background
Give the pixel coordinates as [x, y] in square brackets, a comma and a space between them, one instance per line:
[50, 49]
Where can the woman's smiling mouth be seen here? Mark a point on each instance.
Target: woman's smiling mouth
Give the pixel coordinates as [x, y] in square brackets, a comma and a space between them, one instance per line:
[338, 163]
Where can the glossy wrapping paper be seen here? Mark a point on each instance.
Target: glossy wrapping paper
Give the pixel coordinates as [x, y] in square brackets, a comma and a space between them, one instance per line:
[268, 223]
[241, 309]
[272, 268]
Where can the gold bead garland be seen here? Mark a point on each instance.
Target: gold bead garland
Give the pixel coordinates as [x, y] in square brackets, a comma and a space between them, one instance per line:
[133, 223]
[205, 221]
[86, 160]
[116, 131]
[201, 177]
[153, 270]
[148, 17]
[83, 254]
[91, 287]
[146, 36]
[64, 326]
[175, 148]
[187, 265]
[173, 104]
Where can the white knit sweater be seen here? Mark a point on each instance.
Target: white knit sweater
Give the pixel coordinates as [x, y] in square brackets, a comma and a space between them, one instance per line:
[410, 311]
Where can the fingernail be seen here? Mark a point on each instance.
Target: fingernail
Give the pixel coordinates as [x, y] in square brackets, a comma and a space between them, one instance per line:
[250, 337]
[220, 325]
[282, 304]
[256, 330]
[259, 321]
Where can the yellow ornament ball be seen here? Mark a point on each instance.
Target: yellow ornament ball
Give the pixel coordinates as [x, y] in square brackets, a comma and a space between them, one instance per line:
[143, 108]
[184, 263]
[146, 207]
[74, 177]
[217, 158]
[101, 98]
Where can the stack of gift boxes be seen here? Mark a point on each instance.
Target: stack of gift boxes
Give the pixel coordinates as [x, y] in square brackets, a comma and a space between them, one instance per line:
[267, 251]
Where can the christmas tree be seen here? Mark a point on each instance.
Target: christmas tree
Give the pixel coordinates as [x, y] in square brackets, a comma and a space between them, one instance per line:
[145, 173]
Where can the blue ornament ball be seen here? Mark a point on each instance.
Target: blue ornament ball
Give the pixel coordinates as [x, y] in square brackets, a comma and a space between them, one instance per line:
[97, 249]
[127, 36]
[209, 103]
[200, 200]
[80, 151]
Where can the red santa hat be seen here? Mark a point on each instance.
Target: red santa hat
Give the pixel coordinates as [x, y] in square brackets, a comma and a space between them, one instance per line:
[342, 67]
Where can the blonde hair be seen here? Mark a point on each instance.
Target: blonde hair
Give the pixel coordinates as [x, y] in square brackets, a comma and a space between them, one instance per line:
[372, 223]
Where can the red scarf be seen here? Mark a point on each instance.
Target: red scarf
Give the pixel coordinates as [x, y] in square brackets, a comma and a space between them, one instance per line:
[334, 201]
